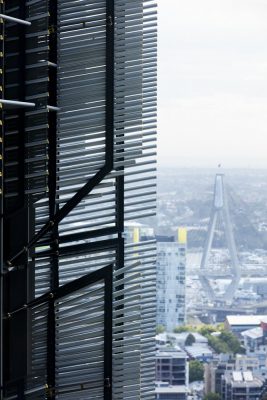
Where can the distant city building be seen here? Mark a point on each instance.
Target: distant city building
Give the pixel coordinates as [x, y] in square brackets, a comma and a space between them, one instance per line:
[171, 266]
[247, 363]
[214, 371]
[255, 343]
[241, 323]
[261, 288]
[237, 385]
[255, 338]
[172, 366]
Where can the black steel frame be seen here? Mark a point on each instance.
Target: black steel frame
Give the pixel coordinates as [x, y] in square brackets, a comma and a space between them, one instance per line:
[1, 199]
[52, 185]
[104, 274]
[109, 143]
[56, 215]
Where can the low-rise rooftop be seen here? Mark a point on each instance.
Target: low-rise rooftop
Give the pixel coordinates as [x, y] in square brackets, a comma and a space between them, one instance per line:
[171, 352]
[242, 379]
[181, 337]
[255, 333]
[245, 319]
[171, 389]
[199, 351]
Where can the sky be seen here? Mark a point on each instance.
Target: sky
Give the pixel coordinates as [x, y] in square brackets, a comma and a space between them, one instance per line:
[212, 83]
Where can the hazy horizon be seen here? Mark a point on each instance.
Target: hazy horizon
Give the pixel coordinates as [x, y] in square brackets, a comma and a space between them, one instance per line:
[162, 167]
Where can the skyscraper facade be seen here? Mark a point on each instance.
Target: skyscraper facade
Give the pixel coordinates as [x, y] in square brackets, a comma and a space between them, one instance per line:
[78, 123]
[171, 267]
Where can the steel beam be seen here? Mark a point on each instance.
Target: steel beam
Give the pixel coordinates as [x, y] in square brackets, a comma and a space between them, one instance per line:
[16, 103]
[15, 20]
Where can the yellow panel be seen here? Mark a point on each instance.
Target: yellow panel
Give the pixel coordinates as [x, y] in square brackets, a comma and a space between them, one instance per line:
[182, 235]
[136, 235]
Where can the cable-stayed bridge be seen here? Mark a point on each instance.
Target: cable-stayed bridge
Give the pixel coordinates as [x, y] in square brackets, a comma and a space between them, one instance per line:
[220, 259]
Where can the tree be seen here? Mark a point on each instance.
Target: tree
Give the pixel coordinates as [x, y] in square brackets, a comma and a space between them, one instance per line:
[196, 371]
[226, 342]
[206, 329]
[160, 329]
[180, 329]
[220, 327]
[232, 342]
[217, 345]
[212, 396]
[184, 328]
[190, 340]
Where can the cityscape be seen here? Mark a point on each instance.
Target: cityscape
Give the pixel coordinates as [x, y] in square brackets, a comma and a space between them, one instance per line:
[128, 273]
[211, 340]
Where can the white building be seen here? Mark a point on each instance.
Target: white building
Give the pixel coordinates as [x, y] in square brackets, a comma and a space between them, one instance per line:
[171, 264]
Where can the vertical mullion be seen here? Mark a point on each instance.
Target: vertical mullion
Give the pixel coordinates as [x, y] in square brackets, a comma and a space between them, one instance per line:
[2, 201]
[109, 161]
[22, 202]
[52, 115]
[16, 227]
[120, 255]
[52, 185]
[51, 345]
[109, 157]
[108, 335]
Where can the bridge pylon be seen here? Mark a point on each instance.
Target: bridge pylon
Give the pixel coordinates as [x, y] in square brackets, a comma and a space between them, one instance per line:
[220, 211]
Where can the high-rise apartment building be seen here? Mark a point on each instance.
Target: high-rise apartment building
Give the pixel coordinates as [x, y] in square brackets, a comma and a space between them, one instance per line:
[171, 266]
[78, 122]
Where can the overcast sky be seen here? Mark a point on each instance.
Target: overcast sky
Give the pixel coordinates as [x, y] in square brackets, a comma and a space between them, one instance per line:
[212, 83]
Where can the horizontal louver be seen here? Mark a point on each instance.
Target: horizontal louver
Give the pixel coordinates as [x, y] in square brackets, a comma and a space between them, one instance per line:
[26, 80]
[135, 141]
[80, 344]
[104, 127]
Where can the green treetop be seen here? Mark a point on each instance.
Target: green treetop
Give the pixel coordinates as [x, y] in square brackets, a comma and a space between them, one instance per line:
[212, 396]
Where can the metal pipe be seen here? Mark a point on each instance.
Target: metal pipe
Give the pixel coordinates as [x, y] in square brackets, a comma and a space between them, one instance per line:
[17, 20]
[16, 103]
[51, 64]
[53, 108]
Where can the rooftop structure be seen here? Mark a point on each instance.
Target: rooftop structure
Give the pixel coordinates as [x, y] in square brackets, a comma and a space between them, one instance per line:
[240, 323]
[180, 338]
[161, 339]
[255, 343]
[247, 363]
[166, 392]
[245, 385]
[254, 334]
[199, 351]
